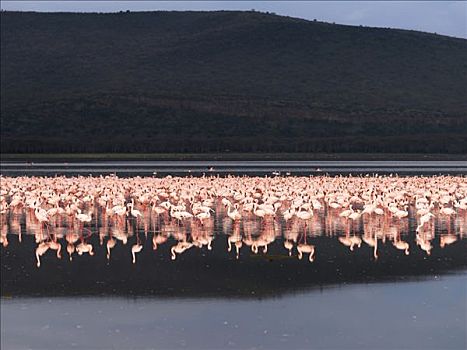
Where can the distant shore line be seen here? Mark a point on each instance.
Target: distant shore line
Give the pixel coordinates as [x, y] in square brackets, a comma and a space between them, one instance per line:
[232, 156]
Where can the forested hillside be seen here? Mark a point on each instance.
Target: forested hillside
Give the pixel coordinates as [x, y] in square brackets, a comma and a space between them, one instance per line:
[226, 81]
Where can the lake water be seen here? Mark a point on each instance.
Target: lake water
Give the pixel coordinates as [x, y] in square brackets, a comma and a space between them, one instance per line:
[428, 314]
[50, 167]
[210, 299]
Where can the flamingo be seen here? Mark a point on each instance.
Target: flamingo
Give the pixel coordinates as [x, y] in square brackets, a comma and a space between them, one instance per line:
[110, 245]
[41, 215]
[289, 246]
[304, 214]
[179, 248]
[447, 239]
[288, 214]
[136, 248]
[83, 218]
[84, 248]
[158, 240]
[70, 248]
[304, 248]
[134, 212]
[347, 213]
[423, 220]
[401, 213]
[234, 215]
[401, 245]
[447, 211]
[40, 250]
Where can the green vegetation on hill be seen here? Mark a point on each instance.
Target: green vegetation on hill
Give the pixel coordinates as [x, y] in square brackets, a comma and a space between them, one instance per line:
[217, 81]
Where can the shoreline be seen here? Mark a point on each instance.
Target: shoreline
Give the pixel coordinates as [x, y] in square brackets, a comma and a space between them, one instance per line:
[233, 156]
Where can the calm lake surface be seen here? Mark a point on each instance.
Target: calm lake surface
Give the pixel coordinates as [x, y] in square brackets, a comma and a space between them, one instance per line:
[50, 167]
[428, 314]
[210, 298]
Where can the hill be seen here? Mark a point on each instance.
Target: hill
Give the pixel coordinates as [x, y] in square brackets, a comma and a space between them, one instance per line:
[218, 81]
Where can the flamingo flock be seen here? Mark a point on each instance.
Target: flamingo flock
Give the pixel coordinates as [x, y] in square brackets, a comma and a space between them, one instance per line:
[253, 212]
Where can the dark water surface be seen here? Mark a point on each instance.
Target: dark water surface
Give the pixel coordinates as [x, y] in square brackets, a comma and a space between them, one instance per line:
[210, 299]
[429, 314]
[203, 273]
[51, 167]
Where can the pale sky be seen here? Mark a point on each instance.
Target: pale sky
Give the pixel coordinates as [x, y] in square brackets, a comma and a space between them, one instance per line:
[442, 17]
